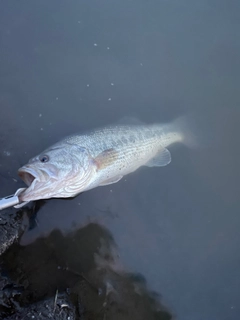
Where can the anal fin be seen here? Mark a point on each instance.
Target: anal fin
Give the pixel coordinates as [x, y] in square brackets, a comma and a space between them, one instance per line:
[162, 158]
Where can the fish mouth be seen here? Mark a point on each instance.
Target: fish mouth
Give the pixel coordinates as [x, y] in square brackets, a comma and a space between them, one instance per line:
[28, 175]
[39, 182]
[46, 182]
[32, 176]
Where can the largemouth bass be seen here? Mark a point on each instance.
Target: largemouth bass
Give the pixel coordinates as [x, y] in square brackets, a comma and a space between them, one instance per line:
[101, 157]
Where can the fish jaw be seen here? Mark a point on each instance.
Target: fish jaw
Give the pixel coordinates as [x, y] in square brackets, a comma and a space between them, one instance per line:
[53, 183]
[41, 183]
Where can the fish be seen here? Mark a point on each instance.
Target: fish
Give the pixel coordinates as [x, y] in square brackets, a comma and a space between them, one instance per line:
[81, 162]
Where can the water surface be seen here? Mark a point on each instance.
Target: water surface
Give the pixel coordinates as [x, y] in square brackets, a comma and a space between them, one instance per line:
[71, 66]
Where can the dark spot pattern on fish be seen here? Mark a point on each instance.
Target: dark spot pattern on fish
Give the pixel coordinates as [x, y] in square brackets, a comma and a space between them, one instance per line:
[132, 138]
[148, 134]
[119, 142]
[124, 140]
[140, 136]
[107, 151]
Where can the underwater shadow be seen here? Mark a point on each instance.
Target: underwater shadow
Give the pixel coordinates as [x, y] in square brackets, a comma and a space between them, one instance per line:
[85, 265]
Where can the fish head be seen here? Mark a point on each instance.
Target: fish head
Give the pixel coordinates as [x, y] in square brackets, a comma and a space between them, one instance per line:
[59, 172]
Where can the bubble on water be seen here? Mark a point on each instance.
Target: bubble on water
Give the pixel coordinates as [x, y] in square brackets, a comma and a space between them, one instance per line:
[41, 129]
[88, 85]
[95, 44]
[108, 48]
[112, 84]
[40, 115]
[109, 99]
[56, 98]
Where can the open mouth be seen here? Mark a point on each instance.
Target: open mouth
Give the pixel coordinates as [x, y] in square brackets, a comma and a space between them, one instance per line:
[38, 181]
[27, 175]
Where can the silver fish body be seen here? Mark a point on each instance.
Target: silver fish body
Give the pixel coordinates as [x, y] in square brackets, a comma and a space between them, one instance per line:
[82, 162]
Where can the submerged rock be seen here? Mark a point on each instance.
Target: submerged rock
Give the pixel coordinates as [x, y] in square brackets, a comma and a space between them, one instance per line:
[10, 228]
[73, 276]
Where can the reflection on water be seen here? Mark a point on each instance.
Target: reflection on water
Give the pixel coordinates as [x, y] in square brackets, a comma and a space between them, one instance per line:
[84, 263]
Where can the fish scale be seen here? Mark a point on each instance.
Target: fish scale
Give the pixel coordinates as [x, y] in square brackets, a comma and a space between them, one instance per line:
[138, 145]
[84, 161]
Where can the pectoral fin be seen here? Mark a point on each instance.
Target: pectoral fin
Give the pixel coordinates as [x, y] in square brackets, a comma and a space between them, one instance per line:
[162, 158]
[110, 181]
[106, 158]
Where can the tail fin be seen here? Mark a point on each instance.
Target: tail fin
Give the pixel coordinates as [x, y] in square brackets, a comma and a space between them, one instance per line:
[184, 125]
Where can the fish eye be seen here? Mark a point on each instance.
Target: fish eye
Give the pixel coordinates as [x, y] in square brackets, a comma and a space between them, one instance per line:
[44, 158]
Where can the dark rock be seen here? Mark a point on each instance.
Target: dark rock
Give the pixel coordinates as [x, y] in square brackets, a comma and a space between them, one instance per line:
[74, 276]
[10, 228]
